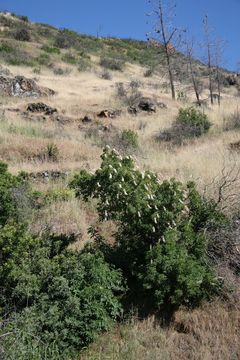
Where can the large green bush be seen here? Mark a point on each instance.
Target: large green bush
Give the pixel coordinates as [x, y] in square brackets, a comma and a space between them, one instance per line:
[67, 297]
[160, 240]
[52, 298]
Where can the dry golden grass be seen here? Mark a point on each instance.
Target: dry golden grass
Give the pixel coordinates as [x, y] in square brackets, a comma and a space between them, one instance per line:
[23, 141]
[66, 217]
[211, 332]
[79, 94]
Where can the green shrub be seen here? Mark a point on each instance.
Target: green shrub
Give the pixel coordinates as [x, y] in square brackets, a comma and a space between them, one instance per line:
[22, 34]
[24, 18]
[66, 39]
[62, 298]
[112, 63]
[160, 242]
[58, 195]
[7, 48]
[51, 50]
[43, 59]
[51, 152]
[190, 123]
[14, 55]
[69, 58]
[14, 196]
[194, 118]
[129, 139]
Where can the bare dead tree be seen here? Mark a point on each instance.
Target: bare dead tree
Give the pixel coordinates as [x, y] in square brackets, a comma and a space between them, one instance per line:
[208, 45]
[225, 187]
[189, 51]
[218, 55]
[166, 34]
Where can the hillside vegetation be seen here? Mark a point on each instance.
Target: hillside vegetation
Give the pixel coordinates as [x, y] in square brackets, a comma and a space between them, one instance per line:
[119, 207]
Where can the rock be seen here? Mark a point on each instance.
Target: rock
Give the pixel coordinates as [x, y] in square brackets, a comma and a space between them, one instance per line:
[41, 108]
[87, 119]
[147, 104]
[109, 114]
[20, 86]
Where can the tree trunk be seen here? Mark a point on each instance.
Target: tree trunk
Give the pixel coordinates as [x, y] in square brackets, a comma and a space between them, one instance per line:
[170, 74]
[219, 87]
[166, 43]
[194, 80]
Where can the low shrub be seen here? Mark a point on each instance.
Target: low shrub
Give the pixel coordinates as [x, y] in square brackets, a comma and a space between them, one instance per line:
[22, 34]
[190, 123]
[129, 94]
[69, 58]
[106, 75]
[84, 65]
[51, 152]
[66, 39]
[51, 50]
[24, 18]
[15, 197]
[15, 56]
[58, 195]
[232, 122]
[43, 59]
[149, 72]
[7, 48]
[129, 139]
[112, 63]
[194, 118]
[37, 70]
[61, 71]
[126, 141]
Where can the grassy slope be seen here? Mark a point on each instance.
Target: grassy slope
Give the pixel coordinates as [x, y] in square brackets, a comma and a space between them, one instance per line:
[211, 332]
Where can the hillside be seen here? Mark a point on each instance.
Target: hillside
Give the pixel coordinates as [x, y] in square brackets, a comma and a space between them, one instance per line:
[65, 96]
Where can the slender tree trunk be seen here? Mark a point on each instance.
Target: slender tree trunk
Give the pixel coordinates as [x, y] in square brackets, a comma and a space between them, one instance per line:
[209, 57]
[219, 87]
[166, 49]
[210, 74]
[193, 79]
[170, 74]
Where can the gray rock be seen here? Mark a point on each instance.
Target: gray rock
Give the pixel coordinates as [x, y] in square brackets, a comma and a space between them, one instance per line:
[20, 86]
[147, 104]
